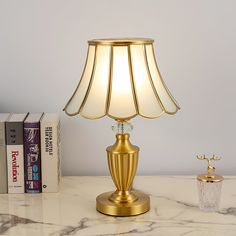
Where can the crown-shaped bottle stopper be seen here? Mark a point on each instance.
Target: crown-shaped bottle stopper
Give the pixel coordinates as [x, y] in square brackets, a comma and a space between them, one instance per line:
[210, 176]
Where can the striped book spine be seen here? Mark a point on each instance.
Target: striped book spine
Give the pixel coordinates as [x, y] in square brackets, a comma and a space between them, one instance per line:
[32, 157]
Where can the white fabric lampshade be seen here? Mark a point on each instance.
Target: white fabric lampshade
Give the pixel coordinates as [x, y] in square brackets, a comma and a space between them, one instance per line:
[121, 80]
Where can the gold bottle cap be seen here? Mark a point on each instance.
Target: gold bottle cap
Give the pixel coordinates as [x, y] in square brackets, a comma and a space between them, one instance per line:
[210, 176]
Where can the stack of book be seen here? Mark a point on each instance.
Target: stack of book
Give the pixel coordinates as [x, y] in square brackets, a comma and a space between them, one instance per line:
[29, 153]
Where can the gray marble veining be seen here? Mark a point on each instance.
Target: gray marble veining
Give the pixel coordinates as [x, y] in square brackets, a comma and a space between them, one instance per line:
[174, 210]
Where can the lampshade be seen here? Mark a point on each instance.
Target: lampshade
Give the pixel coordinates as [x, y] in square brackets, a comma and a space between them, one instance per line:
[121, 80]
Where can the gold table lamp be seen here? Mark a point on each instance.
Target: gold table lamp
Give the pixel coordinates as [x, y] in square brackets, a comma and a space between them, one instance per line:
[121, 80]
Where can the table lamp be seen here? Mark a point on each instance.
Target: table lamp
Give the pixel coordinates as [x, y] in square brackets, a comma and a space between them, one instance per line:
[121, 80]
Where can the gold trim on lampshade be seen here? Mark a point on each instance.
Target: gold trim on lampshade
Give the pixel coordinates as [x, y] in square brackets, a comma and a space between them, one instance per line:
[121, 80]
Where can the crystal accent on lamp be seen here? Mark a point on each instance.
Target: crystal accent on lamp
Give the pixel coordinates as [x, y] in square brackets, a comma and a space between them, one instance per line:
[122, 127]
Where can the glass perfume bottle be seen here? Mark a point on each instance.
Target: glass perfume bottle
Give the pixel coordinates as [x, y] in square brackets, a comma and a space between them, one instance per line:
[209, 186]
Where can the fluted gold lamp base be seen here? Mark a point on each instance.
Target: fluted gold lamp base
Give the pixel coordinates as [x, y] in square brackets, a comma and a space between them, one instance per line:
[122, 162]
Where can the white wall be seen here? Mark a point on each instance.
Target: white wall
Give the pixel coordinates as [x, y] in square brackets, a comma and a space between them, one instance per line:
[42, 52]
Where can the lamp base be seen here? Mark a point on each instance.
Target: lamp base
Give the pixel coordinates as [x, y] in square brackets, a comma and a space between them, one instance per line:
[137, 207]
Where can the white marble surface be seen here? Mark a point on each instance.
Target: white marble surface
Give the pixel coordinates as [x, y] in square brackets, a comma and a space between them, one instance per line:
[173, 211]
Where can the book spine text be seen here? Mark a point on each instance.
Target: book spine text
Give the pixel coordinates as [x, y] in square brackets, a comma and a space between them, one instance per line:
[50, 155]
[32, 158]
[15, 157]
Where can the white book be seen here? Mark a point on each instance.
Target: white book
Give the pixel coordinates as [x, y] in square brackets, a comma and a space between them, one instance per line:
[15, 153]
[3, 154]
[50, 152]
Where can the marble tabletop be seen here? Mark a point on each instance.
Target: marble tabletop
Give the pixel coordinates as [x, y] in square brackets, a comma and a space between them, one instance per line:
[174, 210]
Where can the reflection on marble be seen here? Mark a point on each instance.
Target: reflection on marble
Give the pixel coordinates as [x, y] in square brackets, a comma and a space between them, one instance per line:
[174, 210]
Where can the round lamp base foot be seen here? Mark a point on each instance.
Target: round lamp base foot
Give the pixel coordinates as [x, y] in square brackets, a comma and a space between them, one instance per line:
[108, 207]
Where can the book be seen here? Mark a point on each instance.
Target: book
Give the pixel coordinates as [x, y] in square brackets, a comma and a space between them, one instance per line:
[3, 154]
[50, 152]
[32, 157]
[15, 153]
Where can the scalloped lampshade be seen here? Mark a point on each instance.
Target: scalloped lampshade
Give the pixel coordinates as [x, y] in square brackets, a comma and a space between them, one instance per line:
[121, 79]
